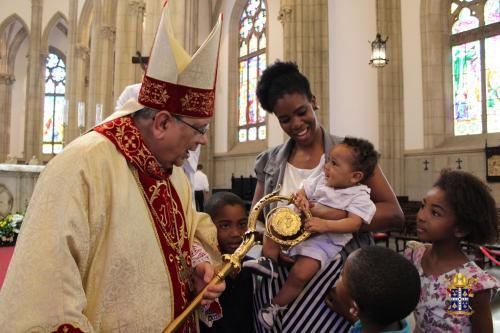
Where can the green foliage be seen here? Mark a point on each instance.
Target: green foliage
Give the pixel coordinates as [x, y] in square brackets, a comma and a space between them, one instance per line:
[9, 229]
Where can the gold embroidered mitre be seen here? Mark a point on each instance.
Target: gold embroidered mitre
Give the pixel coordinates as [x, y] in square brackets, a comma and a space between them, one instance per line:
[177, 82]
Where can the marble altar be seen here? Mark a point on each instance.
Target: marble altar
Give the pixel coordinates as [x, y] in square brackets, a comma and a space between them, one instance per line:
[20, 181]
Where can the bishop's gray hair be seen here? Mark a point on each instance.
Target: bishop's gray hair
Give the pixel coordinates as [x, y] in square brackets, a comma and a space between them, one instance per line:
[145, 113]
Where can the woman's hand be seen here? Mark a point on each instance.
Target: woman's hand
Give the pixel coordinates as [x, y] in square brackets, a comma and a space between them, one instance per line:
[202, 275]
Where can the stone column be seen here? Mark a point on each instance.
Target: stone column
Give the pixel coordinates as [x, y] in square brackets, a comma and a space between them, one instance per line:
[82, 55]
[436, 72]
[101, 62]
[6, 81]
[96, 55]
[128, 41]
[151, 21]
[105, 94]
[71, 130]
[305, 34]
[34, 100]
[191, 26]
[390, 95]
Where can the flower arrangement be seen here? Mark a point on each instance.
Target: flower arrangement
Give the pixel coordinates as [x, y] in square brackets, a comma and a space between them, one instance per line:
[9, 229]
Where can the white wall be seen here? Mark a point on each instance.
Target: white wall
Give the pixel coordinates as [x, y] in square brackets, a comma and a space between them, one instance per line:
[21, 8]
[412, 75]
[50, 7]
[275, 51]
[353, 83]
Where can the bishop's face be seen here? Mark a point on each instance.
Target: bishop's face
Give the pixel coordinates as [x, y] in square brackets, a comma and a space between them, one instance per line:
[183, 134]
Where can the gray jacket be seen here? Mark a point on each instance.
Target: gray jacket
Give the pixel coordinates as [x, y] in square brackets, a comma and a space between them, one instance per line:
[270, 168]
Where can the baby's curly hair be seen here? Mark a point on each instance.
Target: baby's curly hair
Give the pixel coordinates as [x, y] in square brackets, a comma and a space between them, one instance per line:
[279, 79]
[471, 201]
[366, 157]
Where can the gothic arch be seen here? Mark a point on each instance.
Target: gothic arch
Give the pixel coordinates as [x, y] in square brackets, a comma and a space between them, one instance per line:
[54, 21]
[85, 23]
[9, 48]
[11, 19]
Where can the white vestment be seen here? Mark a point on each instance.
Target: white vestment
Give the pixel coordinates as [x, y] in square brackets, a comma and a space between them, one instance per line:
[88, 253]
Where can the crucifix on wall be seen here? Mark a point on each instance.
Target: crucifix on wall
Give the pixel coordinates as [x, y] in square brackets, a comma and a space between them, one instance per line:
[139, 59]
[426, 163]
[459, 163]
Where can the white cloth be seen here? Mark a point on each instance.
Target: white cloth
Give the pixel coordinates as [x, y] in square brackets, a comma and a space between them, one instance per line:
[356, 199]
[190, 165]
[88, 252]
[293, 177]
[200, 181]
[130, 92]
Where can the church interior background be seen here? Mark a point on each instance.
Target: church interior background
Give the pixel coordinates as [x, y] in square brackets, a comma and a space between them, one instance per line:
[435, 105]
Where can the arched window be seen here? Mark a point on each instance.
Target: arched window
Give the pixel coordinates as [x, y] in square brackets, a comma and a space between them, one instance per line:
[251, 62]
[475, 47]
[53, 111]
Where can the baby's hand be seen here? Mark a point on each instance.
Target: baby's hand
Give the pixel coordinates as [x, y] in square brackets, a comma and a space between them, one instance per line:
[315, 224]
[300, 200]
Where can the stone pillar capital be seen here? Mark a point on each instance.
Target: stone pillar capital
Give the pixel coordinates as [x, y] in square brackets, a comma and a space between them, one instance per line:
[36, 3]
[285, 14]
[108, 32]
[137, 6]
[7, 79]
[82, 52]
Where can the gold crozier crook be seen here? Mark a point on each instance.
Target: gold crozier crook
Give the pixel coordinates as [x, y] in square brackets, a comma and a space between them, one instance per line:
[283, 225]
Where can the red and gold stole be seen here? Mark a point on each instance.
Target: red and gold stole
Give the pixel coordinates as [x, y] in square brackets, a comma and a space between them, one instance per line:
[164, 205]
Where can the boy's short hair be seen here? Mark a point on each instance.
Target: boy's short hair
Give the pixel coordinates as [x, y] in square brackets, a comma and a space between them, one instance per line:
[471, 201]
[366, 157]
[384, 284]
[220, 199]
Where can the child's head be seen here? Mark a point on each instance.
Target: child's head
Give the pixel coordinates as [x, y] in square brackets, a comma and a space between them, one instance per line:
[228, 212]
[459, 205]
[377, 285]
[350, 162]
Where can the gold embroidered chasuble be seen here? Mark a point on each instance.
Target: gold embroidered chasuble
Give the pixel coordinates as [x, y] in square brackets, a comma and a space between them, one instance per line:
[165, 208]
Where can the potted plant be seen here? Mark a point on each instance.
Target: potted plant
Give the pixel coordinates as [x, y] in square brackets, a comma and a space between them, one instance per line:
[9, 229]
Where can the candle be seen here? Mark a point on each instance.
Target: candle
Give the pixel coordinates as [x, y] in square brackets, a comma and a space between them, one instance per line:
[98, 113]
[66, 113]
[81, 114]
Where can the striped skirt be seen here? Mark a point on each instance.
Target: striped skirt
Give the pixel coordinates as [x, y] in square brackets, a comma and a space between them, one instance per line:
[308, 313]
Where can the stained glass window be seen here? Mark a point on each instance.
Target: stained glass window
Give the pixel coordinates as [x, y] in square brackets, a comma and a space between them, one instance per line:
[475, 66]
[53, 111]
[251, 62]
[492, 12]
